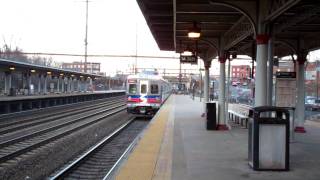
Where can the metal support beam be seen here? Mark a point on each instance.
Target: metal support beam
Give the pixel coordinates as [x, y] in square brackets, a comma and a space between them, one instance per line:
[300, 109]
[8, 82]
[227, 91]
[29, 82]
[308, 13]
[207, 64]
[270, 72]
[91, 84]
[39, 83]
[238, 32]
[261, 71]
[278, 7]
[58, 84]
[45, 77]
[63, 84]
[221, 104]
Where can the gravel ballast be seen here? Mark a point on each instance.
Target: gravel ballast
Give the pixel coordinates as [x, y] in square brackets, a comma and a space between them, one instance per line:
[42, 162]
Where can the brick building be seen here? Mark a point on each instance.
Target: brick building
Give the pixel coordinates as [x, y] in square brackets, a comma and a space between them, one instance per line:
[93, 68]
[240, 73]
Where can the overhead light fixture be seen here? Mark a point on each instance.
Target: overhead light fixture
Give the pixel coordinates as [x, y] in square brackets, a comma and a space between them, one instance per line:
[72, 75]
[187, 51]
[33, 70]
[12, 68]
[61, 74]
[194, 32]
[49, 73]
[81, 76]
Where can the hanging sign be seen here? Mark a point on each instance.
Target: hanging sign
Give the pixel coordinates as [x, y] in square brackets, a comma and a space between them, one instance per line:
[189, 59]
[286, 75]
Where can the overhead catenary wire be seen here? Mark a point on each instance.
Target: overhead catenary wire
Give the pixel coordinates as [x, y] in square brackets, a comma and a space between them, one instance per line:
[99, 55]
[113, 55]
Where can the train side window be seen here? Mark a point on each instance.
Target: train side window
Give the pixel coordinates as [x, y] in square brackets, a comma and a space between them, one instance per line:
[154, 89]
[143, 89]
[132, 89]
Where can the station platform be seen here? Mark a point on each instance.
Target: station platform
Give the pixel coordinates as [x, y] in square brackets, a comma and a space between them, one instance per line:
[176, 145]
[53, 95]
[13, 104]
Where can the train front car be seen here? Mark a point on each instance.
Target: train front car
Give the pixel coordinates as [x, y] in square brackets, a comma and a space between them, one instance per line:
[143, 94]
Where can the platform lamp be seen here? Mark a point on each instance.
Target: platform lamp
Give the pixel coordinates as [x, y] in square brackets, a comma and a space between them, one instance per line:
[194, 32]
[187, 51]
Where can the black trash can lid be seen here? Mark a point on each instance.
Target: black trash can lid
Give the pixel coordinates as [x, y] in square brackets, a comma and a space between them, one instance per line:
[270, 108]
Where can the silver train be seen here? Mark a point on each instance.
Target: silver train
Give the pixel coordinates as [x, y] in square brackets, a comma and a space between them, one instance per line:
[146, 92]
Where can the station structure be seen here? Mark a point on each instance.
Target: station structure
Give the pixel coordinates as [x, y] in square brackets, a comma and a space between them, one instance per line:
[29, 79]
[29, 87]
[176, 145]
[261, 29]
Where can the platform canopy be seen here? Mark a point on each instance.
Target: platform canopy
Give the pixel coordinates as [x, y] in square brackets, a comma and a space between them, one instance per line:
[232, 25]
[6, 64]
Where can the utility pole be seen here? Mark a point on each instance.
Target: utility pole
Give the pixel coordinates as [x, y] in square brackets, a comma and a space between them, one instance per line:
[180, 76]
[317, 78]
[86, 38]
[136, 60]
[200, 84]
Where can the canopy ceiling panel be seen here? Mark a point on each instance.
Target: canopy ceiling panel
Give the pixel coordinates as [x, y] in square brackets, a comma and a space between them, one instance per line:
[170, 21]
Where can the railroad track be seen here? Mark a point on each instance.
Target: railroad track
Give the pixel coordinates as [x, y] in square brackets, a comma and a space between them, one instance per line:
[100, 160]
[24, 143]
[10, 127]
[8, 119]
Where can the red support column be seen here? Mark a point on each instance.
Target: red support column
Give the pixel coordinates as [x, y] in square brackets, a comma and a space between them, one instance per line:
[261, 70]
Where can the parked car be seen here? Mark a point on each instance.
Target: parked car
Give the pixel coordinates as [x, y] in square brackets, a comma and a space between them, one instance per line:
[312, 104]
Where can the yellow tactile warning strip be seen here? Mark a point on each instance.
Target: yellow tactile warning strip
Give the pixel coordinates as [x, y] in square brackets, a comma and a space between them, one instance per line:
[164, 164]
[142, 161]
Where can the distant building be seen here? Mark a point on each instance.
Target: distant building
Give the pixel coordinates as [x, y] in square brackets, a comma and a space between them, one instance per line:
[92, 67]
[240, 72]
[312, 79]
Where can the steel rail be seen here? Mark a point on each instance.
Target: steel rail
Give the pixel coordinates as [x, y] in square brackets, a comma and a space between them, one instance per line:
[52, 108]
[5, 128]
[42, 131]
[128, 149]
[66, 169]
[57, 136]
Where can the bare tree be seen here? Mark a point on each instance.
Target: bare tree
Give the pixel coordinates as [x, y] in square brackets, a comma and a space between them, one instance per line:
[6, 52]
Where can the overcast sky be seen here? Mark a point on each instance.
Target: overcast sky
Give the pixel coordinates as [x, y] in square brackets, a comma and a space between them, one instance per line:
[58, 26]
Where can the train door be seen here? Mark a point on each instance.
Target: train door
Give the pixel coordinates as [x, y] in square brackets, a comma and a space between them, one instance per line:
[144, 90]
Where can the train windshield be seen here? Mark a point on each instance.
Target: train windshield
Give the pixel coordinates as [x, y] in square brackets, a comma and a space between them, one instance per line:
[132, 89]
[154, 89]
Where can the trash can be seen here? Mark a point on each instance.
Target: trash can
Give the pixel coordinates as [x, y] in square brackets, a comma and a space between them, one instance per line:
[268, 138]
[211, 116]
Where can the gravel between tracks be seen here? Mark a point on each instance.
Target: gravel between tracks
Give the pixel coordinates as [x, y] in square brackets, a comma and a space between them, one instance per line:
[40, 163]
